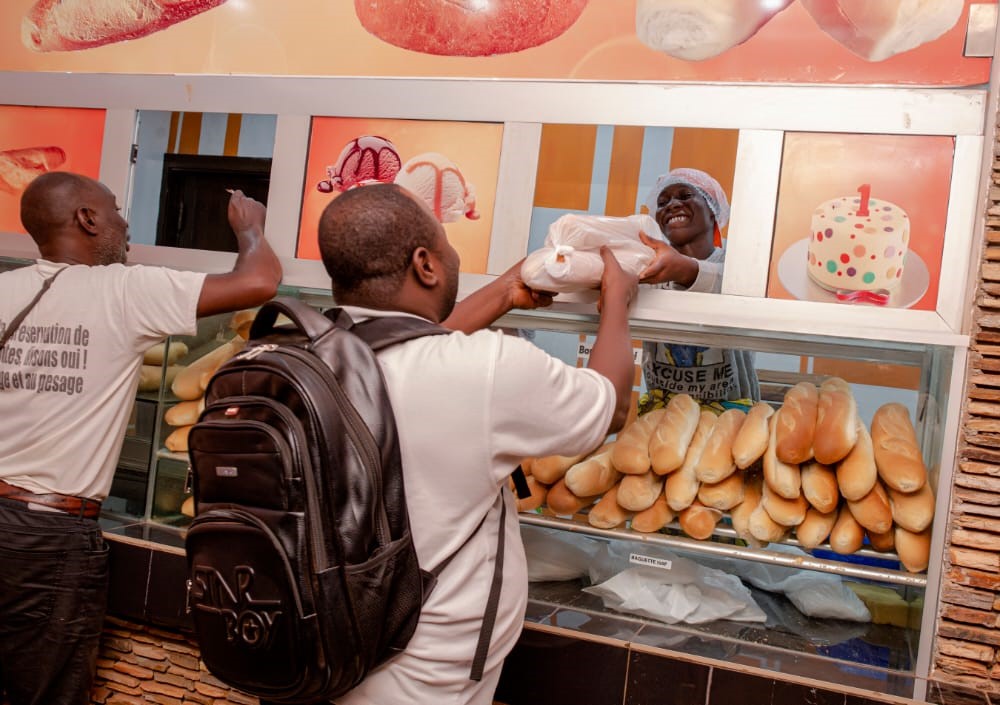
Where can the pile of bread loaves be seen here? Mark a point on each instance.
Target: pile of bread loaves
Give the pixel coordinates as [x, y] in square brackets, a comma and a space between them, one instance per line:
[811, 468]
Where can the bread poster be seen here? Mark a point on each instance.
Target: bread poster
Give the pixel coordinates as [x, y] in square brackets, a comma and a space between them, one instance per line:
[803, 41]
[860, 219]
[36, 140]
[451, 166]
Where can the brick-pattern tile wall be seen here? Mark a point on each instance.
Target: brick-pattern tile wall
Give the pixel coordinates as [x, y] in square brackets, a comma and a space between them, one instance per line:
[138, 665]
[968, 632]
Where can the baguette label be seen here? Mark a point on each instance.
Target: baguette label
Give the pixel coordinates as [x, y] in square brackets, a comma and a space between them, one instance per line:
[639, 559]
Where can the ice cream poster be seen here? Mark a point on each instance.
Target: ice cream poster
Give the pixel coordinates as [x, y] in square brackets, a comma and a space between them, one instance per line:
[36, 140]
[802, 41]
[451, 166]
[860, 219]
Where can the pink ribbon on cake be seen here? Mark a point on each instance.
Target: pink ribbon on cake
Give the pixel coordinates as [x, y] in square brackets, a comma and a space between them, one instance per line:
[879, 297]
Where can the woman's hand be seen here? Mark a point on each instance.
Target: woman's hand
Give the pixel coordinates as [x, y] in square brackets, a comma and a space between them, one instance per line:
[668, 264]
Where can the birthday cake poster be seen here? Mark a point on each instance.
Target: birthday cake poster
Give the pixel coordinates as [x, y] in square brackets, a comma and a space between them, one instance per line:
[860, 219]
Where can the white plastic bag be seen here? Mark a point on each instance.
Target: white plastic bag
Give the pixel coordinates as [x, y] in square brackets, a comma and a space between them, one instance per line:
[571, 260]
[557, 555]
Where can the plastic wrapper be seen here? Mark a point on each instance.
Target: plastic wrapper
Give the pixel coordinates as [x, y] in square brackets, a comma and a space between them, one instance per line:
[557, 555]
[570, 259]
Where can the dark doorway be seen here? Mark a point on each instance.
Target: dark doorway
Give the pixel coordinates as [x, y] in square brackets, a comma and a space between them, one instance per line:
[194, 200]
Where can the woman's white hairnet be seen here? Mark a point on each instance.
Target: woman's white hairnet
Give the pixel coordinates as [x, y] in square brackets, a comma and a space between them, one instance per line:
[705, 185]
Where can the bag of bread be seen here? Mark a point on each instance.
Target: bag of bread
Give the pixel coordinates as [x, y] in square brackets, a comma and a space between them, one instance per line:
[570, 259]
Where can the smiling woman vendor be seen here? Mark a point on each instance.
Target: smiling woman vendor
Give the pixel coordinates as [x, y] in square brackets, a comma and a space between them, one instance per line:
[690, 207]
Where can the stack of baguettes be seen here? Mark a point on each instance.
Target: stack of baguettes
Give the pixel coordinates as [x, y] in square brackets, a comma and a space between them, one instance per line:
[810, 468]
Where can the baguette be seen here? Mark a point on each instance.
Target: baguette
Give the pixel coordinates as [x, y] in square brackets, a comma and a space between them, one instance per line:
[856, 474]
[594, 475]
[550, 469]
[537, 498]
[681, 487]
[796, 426]
[607, 513]
[913, 511]
[560, 500]
[698, 521]
[150, 377]
[873, 511]
[740, 514]
[753, 437]
[883, 542]
[527, 466]
[670, 439]
[787, 512]
[783, 478]
[722, 495]
[836, 421]
[177, 441]
[187, 383]
[913, 549]
[847, 536]
[159, 352]
[716, 462]
[819, 485]
[185, 413]
[638, 492]
[815, 528]
[897, 453]
[654, 518]
[763, 528]
[241, 321]
[631, 452]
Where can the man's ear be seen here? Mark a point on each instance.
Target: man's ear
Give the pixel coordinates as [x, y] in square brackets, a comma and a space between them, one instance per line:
[85, 217]
[424, 267]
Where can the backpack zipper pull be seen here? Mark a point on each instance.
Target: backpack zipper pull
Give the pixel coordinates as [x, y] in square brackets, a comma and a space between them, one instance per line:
[189, 480]
[256, 350]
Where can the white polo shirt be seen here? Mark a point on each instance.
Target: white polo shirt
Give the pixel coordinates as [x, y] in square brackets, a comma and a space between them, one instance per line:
[468, 408]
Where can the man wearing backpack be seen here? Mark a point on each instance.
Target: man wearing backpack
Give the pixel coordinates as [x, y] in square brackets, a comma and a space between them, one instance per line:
[68, 374]
[468, 406]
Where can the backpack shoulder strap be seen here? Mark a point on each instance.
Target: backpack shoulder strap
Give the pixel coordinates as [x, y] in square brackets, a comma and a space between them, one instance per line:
[23, 313]
[385, 331]
[307, 320]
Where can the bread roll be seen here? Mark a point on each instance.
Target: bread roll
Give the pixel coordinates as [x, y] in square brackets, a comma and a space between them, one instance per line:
[897, 452]
[187, 384]
[795, 431]
[836, 421]
[561, 501]
[722, 495]
[552, 468]
[819, 485]
[187, 507]
[716, 462]
[150, 377]
[537, 498]
[815, 528]
[913, 549]
[670, 440]
[241, 321]
[654, 518]
[784, 478]
[740, 514]
[527, 466]
[158, 353]
[607, 513]
[883, 542]
[631, 452]
[754, 435]
[638, 492]
[594, 475]
[913, 511]
[847, 536]
[698, 521]
[873, 511]
[763, 528]
[178, 440]
[856, 474]
[787, 512]
[681, 487]
[185, 413]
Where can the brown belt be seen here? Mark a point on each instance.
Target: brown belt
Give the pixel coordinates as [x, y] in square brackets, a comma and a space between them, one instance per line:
[77, 506]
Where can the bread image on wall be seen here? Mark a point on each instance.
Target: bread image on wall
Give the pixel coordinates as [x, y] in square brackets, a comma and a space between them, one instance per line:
[694, 30]
[70, 25]
[878, 29]
[467, 27]
[19, 167]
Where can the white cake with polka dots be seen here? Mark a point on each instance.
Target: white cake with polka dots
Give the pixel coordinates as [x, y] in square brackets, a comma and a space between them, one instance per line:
[856, 248]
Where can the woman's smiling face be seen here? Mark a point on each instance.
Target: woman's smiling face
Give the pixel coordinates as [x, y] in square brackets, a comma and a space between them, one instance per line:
[683, 214]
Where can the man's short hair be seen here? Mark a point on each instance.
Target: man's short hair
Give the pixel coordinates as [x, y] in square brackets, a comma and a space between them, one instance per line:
[50, 201]
[367, 236]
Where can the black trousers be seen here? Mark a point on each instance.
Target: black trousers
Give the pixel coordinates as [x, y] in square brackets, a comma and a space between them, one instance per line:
[53, 596]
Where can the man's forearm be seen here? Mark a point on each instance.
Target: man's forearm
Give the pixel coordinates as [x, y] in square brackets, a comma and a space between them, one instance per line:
[611, 356]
